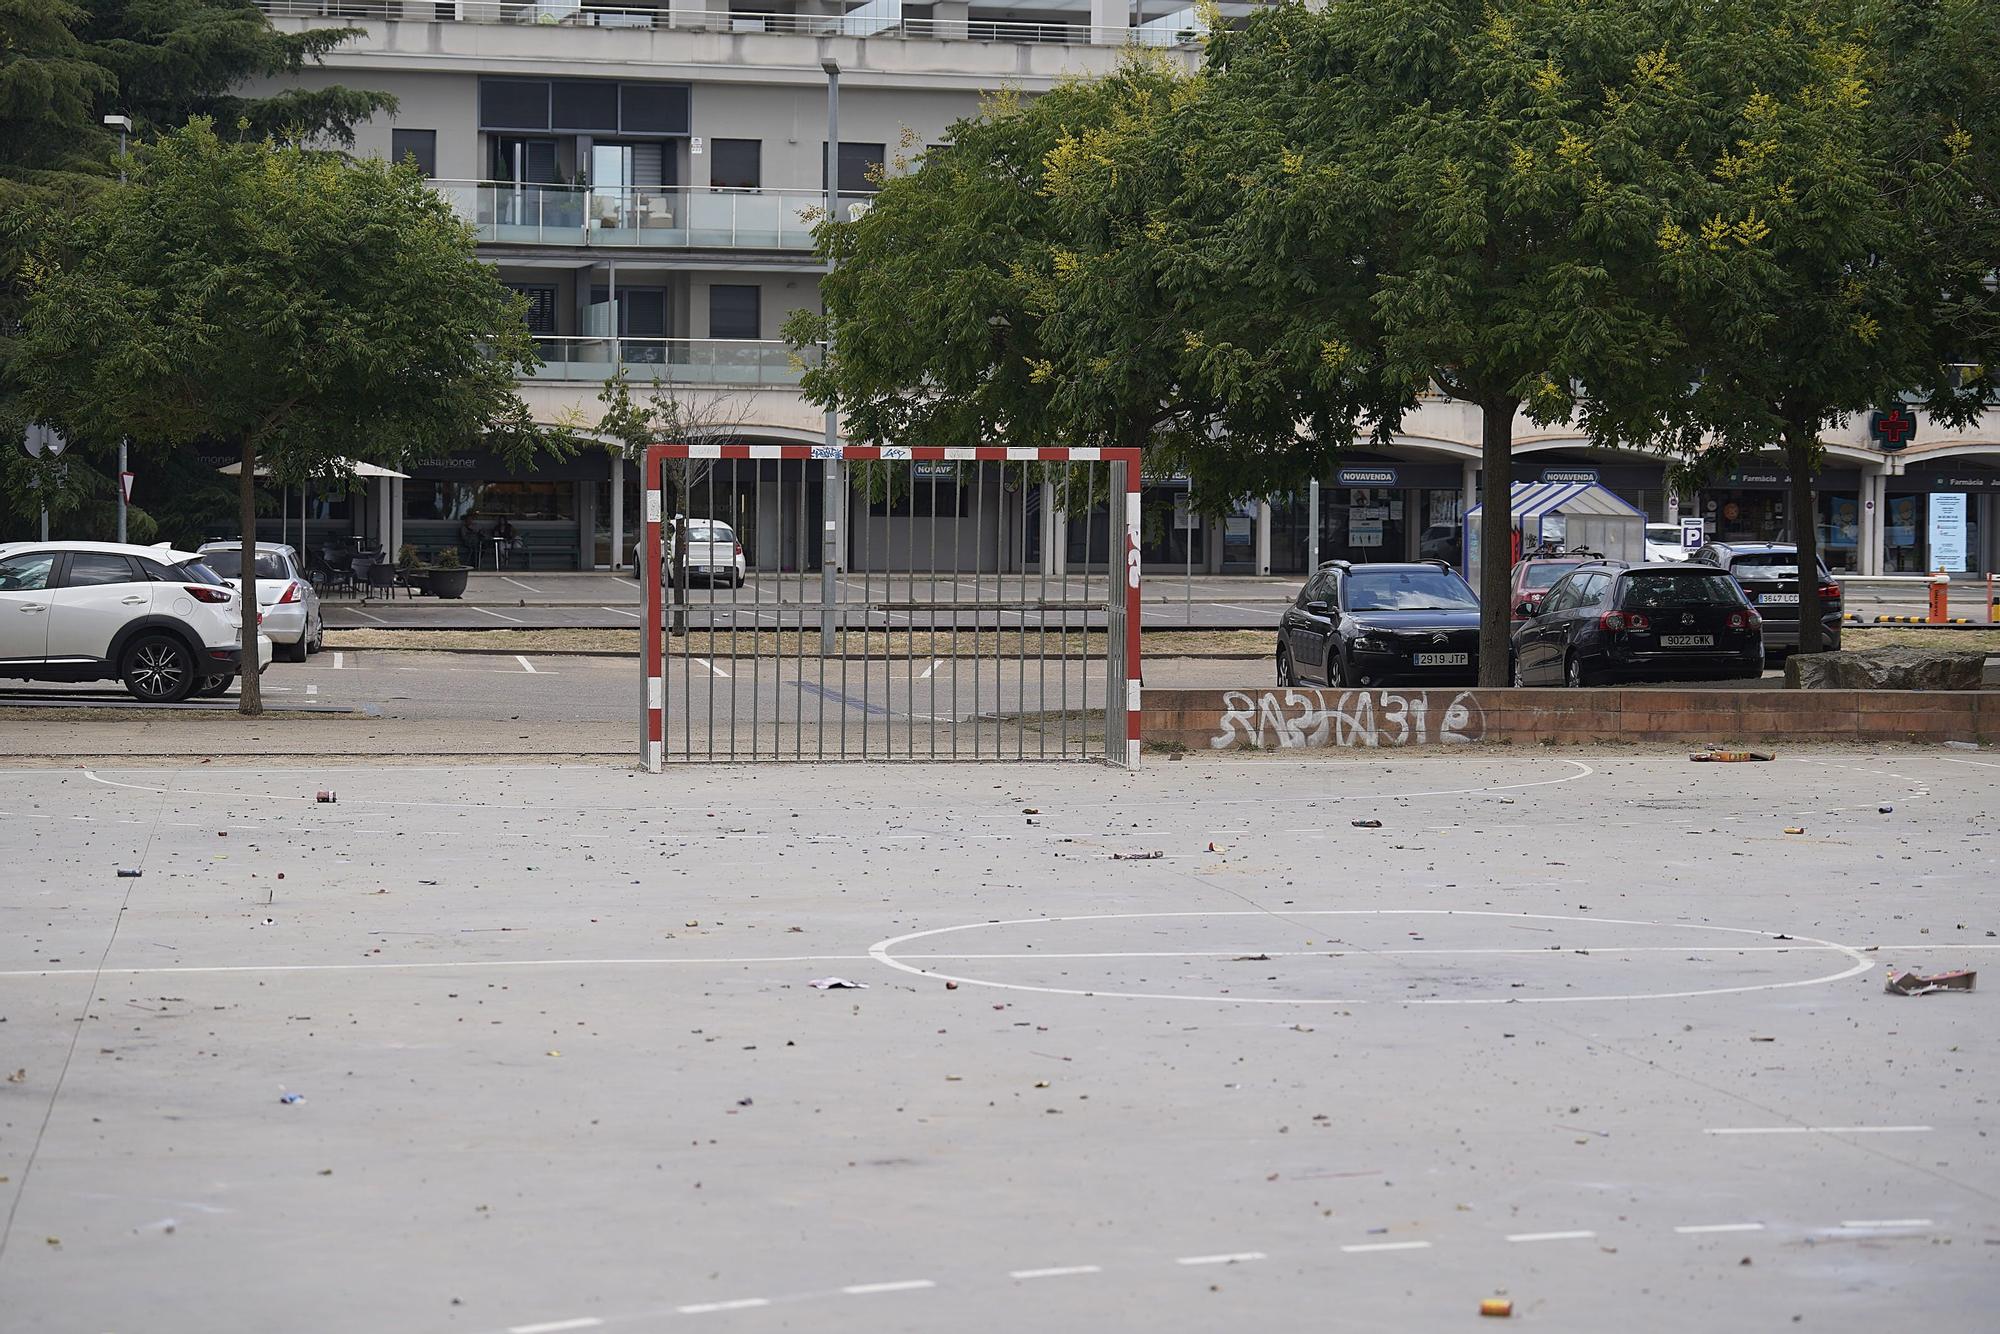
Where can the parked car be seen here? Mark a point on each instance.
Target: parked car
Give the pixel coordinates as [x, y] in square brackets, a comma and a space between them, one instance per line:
[1370, 625]
[155, 619]
[287, 599]
[714, 553]
[1534, 577]
[1668, 621]
[1440, 541]
[1663, 543]
[1769, 574]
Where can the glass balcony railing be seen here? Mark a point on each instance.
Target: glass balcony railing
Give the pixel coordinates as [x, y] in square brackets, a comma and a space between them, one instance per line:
[689, 361]
[683, 217]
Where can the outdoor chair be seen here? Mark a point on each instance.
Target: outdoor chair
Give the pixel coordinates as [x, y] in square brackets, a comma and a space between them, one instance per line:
[382, 578]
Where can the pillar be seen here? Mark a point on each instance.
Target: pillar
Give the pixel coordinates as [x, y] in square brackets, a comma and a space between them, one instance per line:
[1263, 537]
[948, 19]
[686, 13]
[1109, 21]
[1468, 488]
[1312, 525]
[618, 509]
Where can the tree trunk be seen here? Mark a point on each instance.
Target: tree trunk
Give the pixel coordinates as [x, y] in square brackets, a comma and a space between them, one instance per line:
[250, 698]
[1800, 461]
[1496, 541]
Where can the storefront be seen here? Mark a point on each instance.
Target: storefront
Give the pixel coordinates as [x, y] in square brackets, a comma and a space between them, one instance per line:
[1754, 505]
[1642, 485]
[552, 507]
[1941, 517]
[1370, 512]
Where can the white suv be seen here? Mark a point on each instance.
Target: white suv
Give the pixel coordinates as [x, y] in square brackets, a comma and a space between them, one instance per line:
[92, 611]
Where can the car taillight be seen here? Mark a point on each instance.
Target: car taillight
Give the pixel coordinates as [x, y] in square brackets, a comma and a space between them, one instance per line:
[291, 593]
[204, 593]
[1829, 592]
[1615, 621]
[1744, 620]
[739, 550]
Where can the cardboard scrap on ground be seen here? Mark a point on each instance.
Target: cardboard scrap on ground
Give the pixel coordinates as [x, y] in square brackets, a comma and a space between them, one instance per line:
[836, 984]
[1916, 984]
[1730, 757]
[1137, 856]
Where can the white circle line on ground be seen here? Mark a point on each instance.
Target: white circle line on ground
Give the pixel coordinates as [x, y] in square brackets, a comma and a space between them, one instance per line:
[880, 952]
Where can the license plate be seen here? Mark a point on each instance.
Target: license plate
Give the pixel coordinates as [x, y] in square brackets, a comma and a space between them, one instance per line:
[1687, 641]
[1441, 659]
[1778, 599]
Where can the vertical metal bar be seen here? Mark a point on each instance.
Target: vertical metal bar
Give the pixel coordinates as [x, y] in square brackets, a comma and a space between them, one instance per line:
[1129, 592]
[930, 617]
[910, 624]
[958, 487]
[867, 596]
[1089, 550]
[838, 498]
[978, 590]
[1021, 643]
[1059, 533]
[1042, 614]
[819, 730]
[652, 693]
[735, 628]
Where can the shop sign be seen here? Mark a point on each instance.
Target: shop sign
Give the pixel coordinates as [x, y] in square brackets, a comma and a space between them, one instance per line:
[1693, 533]
[1892, 430]
[1364, 525]
[1569, 476]
[1366, 477]
[1948, 531]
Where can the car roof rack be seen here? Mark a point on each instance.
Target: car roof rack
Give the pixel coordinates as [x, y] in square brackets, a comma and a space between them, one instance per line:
[1336, 565]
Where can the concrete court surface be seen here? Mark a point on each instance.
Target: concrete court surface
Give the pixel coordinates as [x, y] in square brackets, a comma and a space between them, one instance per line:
[1590, 1031]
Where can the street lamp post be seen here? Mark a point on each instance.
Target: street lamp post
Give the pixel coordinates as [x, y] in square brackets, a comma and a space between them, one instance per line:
[123, 124]
[834, 495]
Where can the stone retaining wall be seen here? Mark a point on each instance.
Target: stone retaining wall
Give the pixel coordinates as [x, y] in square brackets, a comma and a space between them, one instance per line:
[1274, 718]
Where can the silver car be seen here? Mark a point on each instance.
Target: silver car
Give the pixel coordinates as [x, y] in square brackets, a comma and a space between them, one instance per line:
[286, 598]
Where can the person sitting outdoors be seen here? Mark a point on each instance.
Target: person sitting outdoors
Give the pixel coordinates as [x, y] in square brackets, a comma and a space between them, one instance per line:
[503, 532]
[468, 541]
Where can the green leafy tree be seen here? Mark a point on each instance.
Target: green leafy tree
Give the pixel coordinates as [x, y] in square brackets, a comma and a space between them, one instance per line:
[1837, 249]
[300, 307]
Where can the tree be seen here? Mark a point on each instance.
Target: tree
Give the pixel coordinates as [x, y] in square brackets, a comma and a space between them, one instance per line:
[1837, 249]
[298, 306]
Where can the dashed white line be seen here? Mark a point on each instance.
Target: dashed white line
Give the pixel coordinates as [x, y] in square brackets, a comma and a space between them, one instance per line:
[1691, 1229]
[339, 661]
[1816, 1130]
[518, 584]
[935, 664]
[1550, 1236]
[905, 1285]
[622, 611]
[312, 689]
[1237, 1257]
[1366, 1247]
[371, 616]
[495, 615]
[526, 666]
[550, 1327]
[713, 670]
[1061, 1271]
[740, 1304]
[1888, 1222]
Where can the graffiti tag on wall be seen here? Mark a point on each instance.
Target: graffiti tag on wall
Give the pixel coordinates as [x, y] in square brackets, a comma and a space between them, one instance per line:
[1295, 719]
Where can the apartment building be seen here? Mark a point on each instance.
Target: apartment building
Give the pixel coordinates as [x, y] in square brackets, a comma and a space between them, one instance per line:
[647, 176]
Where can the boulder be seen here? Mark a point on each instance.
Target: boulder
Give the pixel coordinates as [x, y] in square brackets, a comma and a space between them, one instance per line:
[1891, 668]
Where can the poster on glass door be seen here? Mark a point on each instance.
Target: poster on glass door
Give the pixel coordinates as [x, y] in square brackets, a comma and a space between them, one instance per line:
[1948, 531]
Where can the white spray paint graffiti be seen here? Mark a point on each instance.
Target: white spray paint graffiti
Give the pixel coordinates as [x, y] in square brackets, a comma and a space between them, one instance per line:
[1373, 719]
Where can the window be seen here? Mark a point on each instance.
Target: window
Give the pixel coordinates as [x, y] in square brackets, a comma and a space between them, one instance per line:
[924, 498]
[577, 105]
[1542, 573]
[1409, 590]
[155, 571]
[858, 163]
[229, 564]
[1593, 587]
[26, 574]
[732, 311]
[1779, 565]
[541, 312]
[419, 144]
[736, 164]
[89, 569]
[1696, 588]
[1319, 588]
[584, 106]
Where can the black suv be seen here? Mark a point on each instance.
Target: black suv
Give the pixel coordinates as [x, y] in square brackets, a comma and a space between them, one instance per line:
[1769, 575]
[1370, 625]
[1609, 621]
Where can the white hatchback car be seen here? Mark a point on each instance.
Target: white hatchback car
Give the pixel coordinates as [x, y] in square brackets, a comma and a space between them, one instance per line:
[286, 598]
[155, 619]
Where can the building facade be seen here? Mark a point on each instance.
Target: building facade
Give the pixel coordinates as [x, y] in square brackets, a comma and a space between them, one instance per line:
[647, 176]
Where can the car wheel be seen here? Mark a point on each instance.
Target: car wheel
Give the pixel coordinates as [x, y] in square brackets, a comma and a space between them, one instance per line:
[1575, 676]
[211, 686]
[318, 638]
[158, 669]
[1287, 674]
[290, 652]
[1336, 670]
[1514, 677]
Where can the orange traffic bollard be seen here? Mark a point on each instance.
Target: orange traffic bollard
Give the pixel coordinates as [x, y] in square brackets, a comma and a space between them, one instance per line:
[1940, 598]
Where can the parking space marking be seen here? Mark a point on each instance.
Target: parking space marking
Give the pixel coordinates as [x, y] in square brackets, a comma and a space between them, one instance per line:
[1692, 1229]
[526, 666]
[1367, 1247]
[935, 664]
[622, 611]
[551, 1326]
[740, 1304]
[902, 1285]
[1816, 1130]
[312, 689]
[371, 616]
[1062, 1271]
[1237, 1257]
[1888, 1222]
[518, 584]
[1551, 1236]
[339, 660]
[712, 669]
[496, 616]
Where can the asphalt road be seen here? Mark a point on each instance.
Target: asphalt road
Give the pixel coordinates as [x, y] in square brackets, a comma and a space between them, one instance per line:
[1591, 1032]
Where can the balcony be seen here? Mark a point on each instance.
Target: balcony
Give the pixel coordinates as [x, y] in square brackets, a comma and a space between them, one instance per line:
[707, 362]
[668, 217]
[882, 18]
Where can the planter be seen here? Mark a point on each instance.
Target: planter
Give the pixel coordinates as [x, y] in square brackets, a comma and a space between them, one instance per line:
[448, 583]
[416, 577]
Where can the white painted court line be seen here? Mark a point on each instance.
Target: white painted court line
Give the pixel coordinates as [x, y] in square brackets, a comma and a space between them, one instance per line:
[713, 670]
[495, 615]
[581, 1322]
[1551, 1236]
[740, 1304]
[518, 584]
[1062, 1271]
[339, 661]
[1888, 1222]
[1816, 1130]
[622, 611]
[935, 664]
[905, 1285]
[434, 963]
[1693, 1228]
[377, 619]
[1366, 1247]
[1238, 1257]
[526, 666]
